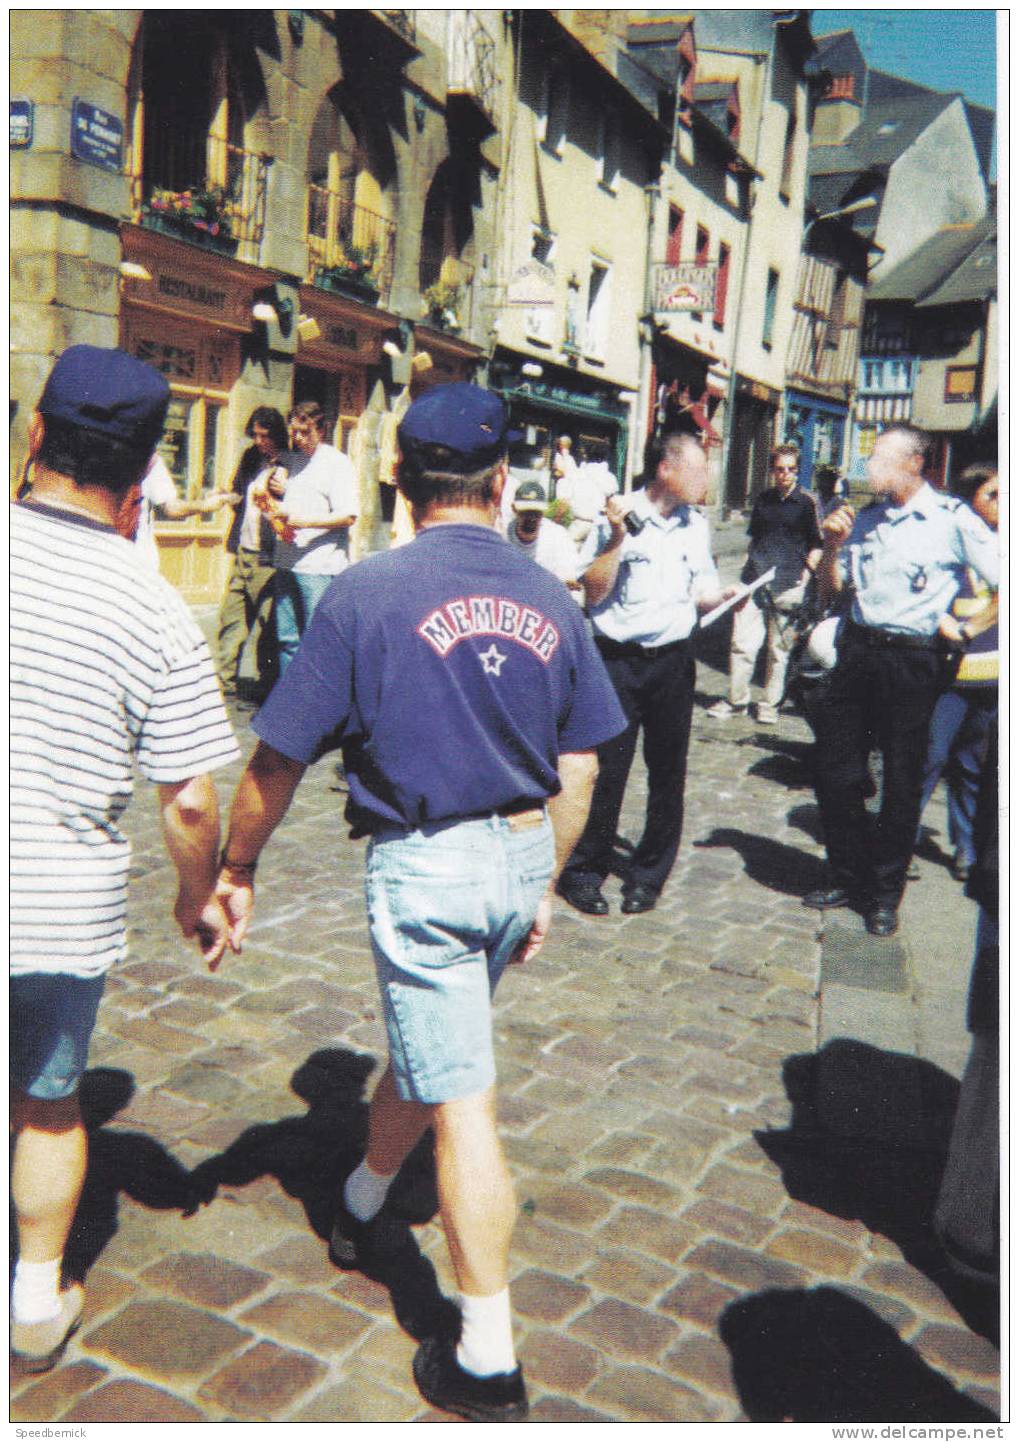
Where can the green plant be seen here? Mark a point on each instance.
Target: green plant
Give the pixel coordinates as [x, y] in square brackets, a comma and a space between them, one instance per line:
[561, 512]
[208, 208]
[441, 302]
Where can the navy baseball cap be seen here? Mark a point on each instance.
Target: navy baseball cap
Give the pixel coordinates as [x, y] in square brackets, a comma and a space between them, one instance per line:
[108, 392]
[462, 427]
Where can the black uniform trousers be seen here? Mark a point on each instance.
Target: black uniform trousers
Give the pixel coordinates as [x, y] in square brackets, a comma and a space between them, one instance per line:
[879, 695]
[655, 688]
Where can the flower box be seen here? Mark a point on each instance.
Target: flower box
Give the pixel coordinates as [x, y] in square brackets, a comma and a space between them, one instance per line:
[210, 235]
[349, 283]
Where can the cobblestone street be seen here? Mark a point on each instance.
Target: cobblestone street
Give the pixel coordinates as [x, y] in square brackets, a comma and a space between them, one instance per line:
[724, 1131]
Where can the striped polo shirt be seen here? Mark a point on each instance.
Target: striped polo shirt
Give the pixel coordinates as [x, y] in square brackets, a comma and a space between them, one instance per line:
[108, 670]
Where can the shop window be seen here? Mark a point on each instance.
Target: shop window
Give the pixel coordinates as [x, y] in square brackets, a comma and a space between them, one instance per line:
[770, 305]
[674, 243]
[960, 384]
[596, 330]
[554, 111]
[349, 228]
[721, 286]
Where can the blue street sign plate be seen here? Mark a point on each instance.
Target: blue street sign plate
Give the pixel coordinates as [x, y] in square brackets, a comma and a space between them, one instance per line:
[22, 122]
[97, 137]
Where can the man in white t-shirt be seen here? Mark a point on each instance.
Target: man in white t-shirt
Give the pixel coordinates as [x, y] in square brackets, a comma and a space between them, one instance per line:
[319, 508]
[586, 489]
[159, 493]
[543, 540]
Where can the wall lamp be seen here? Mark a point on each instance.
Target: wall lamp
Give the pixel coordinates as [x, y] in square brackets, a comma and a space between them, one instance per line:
[132, 270]
[270, 307]
[866, 203]
[532, 369]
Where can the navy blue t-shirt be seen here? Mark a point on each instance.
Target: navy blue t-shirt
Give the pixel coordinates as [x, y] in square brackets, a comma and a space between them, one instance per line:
[454, 671]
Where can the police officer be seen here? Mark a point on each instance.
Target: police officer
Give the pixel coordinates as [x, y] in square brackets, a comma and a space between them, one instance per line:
[905, 558]
[647, 570]
[468, 694]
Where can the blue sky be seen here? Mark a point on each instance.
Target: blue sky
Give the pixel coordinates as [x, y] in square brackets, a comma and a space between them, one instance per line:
[945, 49]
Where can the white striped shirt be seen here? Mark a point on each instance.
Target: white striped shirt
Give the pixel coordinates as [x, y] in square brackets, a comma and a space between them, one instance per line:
[108, 668]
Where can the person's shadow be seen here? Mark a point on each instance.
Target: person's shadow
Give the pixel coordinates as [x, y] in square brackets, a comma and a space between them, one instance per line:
[118, 1161]
[311, 1156]
[772, 864]
[822, 1356]
[868, 1140]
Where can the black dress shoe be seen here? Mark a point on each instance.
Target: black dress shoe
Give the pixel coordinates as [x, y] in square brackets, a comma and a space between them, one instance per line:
[825, 897]
[353, 1244]
[883, 921]
[583, 895]
[443, 1382]
[638, 898]
[960, 867]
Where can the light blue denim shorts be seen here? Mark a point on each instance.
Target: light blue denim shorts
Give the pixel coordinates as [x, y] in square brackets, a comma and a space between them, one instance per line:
[447, 906]
[52, 1020]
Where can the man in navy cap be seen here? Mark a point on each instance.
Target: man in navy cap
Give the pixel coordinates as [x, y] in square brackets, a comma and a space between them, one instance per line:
[108, 670]
[469, 702]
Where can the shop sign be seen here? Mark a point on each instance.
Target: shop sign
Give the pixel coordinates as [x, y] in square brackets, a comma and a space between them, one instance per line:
[97, 137]
[577, 400]
[532, 286]
[683, 288]
[177, 288]
[22, 124]
[758, 391]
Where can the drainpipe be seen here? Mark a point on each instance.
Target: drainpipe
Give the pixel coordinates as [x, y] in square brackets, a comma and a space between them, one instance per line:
[646, 331]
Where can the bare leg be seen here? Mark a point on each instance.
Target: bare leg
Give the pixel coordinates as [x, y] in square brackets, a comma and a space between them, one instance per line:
[50, 1157]
[475, 1193]
[395, 1126]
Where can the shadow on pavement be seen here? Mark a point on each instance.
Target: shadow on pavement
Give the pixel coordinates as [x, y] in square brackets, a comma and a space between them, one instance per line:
[790, 762]
[311, 1155]
[868, 1140]
[119, 1161]
[773, 864]
[822, 1356]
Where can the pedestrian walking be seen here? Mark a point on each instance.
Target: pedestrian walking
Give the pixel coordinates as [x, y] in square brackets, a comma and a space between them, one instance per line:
[532, 533]
[784, 535]
[647, 571]
[469, 699]
[108, 671]
[905, 556]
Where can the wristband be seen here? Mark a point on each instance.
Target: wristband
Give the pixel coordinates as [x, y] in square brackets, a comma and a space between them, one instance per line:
[244, 868]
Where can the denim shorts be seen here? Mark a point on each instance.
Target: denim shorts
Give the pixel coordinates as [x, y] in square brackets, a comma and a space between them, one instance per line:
[447, 906]
[52, 1019]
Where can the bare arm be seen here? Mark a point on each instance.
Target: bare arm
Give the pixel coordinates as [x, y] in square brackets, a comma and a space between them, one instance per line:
[331, 523]
[180, 510]
[190, 815]
[959, 629]
[835, 532]
[600, 576]
[578, 771]
[263, 795]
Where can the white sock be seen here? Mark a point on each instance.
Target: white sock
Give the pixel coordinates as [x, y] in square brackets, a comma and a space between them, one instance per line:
[35, 1296]
[364, 1192]
[486, 1338]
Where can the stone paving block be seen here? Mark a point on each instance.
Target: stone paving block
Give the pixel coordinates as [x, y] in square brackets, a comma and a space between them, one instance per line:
[547, 1245]
[214, 988]
[820, 1254]
[698, 1299]
[363, 1292]
[165, 1339]
[156, 1037]
[564, 1409]
[743, 1188]
[723, 1220]
[312, 1323]
[910, 1286]
[621, 1149]
[134, 1402]
[960, 1351]
[648, 1231]
[847, 1229]
[623, 1330]
[207, 1083]
[184, 1013]
[35, 1401]
[743, 1268]
[299, 1259]
[638, 1395]
[546, 1296]
[558, 1362]
[636, 1187]
[105, 1291]
[277, 1001]
[205, 1279]
[360, 1400]
[602, 1055]
[851, 957]
[628, 1275]
[262, 1382]
[151, 973]
[895, 1313]
[705, 1362]
[569, 1203]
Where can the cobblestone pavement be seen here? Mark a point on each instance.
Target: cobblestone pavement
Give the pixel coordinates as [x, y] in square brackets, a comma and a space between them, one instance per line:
[723, 1134]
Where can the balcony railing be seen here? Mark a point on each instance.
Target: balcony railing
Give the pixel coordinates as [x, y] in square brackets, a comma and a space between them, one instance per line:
[350, 249]
[203, 190]
[473, 79]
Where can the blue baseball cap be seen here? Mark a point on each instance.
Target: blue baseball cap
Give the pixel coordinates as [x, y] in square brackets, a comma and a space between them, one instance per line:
[462, 427]
[108, 392]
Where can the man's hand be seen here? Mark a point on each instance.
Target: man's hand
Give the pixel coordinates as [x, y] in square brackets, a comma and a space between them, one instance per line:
[535, 938]
[207, 922]
[237, 901]
[616, 508]
[836, 528]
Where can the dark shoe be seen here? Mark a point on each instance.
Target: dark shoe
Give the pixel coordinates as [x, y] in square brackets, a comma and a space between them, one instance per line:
[960, 867]
[912, 872]
[583, 895]
[826, 897]
[883, 921]
[354, 1244]
[638, 898]
[37, 1346]
[443, 1382]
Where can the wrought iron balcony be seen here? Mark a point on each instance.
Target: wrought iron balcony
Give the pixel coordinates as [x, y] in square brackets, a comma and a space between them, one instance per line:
[203, 190]
[472, 84]
[350, 249]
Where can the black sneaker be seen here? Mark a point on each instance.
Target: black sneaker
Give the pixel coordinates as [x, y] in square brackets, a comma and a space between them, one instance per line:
[352, 1243]
[443, 1382]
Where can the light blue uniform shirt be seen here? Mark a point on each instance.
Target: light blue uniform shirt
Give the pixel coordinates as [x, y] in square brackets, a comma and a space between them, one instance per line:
[907, 563]
[662, 572]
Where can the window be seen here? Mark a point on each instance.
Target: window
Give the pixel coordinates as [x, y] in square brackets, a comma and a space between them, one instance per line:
[539, 318]
[703, 246]
[770, 303]
[721, 286]
[960, 384]
[608, 150]
[348, 225]
[542, 245]
[674, 243]
[553, 111]
[597, 328]
[837, 315]
[787, 155]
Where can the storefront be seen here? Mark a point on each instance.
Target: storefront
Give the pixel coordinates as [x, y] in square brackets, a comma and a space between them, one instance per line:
[818, 427]
[687, 394]
[754, 423]
[188, 312]
[448, 358]
[562, 402]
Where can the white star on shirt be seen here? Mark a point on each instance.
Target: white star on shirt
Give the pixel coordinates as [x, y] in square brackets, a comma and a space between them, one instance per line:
[492, 660]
